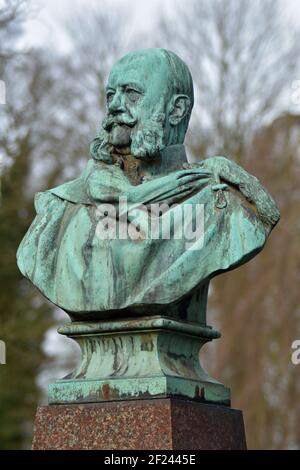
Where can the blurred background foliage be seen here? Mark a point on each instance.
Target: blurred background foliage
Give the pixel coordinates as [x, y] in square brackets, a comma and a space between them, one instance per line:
[243, 57]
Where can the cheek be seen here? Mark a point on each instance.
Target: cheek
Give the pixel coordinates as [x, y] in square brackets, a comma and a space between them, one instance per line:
[144, 109]
[137, 109]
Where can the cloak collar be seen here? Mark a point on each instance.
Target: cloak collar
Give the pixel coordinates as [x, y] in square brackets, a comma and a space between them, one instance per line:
[170, 159]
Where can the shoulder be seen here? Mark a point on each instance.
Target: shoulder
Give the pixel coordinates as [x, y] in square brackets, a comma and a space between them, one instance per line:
[75, 191]
[43, 201]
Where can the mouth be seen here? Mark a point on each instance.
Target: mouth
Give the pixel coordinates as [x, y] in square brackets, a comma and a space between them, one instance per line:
[120, 135]
[121, 125]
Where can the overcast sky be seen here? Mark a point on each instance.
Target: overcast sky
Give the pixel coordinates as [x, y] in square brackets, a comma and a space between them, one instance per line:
[46, 26]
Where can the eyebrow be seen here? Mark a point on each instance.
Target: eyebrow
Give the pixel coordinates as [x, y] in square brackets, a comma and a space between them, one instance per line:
[134, 85]
[129, 84]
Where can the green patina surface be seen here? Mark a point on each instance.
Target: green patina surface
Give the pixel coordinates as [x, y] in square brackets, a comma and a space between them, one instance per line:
[153, 357]
[139, 156]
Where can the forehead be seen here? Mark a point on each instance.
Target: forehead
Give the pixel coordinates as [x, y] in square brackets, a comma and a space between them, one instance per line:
[140, 69]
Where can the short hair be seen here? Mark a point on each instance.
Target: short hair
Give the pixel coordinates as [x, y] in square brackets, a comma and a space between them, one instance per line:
[182, 81]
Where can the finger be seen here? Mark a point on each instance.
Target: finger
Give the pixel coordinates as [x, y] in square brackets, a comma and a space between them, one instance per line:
[190, 176]
[171, 199]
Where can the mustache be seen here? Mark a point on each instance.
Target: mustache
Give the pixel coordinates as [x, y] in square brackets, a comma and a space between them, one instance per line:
[118, 119]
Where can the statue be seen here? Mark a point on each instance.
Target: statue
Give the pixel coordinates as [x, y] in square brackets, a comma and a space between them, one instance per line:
[138, 302]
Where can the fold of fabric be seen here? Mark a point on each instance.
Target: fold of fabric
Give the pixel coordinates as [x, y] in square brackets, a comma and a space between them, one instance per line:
[64, 257]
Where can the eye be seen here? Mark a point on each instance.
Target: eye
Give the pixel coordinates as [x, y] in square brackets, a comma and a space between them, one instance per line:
[109, 96]
[132, 94]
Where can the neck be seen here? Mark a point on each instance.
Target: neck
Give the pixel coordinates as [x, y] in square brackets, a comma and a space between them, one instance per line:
[169, 159]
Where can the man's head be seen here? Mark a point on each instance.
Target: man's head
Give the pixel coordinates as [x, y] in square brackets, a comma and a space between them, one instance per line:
[149, 103]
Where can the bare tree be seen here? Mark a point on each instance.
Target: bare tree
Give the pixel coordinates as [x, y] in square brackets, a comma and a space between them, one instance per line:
[54, 105]
[13, 13]
[96, 43]
[242, 58]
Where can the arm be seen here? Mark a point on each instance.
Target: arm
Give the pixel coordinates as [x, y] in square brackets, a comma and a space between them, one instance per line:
[228, 171]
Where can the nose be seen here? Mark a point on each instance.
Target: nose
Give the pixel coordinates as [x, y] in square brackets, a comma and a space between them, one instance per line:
[116, 103]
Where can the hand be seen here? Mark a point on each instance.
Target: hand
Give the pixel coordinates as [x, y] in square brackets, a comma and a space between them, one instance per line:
[169, 188]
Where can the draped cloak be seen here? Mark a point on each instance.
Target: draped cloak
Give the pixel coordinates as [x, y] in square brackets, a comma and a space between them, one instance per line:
[90, 277]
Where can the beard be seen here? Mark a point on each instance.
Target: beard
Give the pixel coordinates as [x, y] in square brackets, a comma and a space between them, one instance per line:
[143, 140]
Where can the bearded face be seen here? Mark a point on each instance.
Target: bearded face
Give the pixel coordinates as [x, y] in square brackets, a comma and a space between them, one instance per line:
[143, 111]
[125, 132]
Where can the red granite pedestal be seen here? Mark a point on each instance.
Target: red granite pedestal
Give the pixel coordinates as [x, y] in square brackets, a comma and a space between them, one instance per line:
[157, 424]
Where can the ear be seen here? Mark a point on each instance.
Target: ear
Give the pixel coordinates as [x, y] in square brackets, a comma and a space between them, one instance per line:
[179, 108]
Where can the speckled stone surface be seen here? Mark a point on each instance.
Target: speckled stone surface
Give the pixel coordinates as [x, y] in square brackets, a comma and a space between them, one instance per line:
[140, 425]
